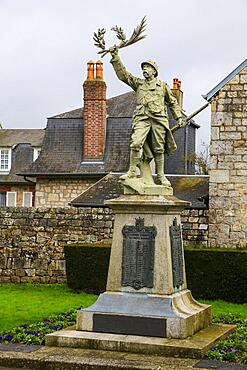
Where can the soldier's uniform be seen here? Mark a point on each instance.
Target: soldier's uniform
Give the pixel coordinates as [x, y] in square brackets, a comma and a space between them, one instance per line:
[150, 119]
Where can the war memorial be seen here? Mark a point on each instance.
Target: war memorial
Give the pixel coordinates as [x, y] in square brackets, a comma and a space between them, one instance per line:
[147, 307]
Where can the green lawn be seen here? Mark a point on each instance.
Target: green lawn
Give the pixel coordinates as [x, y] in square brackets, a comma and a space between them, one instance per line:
[226, 308]
[27, 303]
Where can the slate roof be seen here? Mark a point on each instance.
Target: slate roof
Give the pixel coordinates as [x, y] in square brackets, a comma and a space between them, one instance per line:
[21, 141]
[231, 75]
[22, 154]
[190, 188]
[62, 149]
[10, 137]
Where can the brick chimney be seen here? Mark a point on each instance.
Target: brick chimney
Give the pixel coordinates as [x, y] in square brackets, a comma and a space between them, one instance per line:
[94, 112]
[176, 90]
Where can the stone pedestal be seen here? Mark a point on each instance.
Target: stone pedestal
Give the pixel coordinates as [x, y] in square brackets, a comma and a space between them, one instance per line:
[146, 288]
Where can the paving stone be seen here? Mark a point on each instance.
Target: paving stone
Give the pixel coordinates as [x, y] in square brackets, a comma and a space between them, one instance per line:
[210, 364]
[53, 358]
[19, 347]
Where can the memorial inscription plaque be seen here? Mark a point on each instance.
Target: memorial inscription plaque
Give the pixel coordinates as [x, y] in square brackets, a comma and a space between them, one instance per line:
[177, 254]
[138, 255]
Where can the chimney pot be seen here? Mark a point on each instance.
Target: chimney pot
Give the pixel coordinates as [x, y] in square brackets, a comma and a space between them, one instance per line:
[99, 70]
[176, 89]
[176, 83]
[90, 70]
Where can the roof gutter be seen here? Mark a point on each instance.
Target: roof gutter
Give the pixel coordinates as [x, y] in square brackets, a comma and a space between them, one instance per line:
[64, 174]
[87, 205]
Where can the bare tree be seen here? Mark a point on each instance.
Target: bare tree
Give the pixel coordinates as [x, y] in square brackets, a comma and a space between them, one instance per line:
[201, 160]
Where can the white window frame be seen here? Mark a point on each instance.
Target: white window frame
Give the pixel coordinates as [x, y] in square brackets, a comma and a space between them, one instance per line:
[5, 170]
[36, 153]
[31, 199]
[7, 198]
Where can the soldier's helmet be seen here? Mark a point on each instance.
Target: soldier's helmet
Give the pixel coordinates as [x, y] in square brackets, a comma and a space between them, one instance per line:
[153, 64]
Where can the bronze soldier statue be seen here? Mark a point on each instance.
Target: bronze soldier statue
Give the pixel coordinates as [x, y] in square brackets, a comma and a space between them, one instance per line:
[150, 126]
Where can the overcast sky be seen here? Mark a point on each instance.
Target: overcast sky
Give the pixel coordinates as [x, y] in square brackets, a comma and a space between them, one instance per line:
[45, 45]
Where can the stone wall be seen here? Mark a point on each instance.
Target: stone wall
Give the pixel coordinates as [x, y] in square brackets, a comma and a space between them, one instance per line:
[228, 168]
[59, 192]
[195, 227]
[32, 239]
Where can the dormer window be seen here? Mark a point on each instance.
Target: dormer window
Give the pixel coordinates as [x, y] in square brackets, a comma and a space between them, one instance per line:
[36, 152]
[5, 159]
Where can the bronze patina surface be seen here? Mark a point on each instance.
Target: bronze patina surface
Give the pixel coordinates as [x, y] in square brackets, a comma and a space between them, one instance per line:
[138, 255]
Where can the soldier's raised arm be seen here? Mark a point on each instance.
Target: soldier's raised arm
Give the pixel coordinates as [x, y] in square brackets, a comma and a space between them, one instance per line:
[121, 71]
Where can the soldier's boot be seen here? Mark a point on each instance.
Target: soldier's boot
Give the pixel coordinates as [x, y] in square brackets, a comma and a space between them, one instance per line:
[134, 161]
[159, 163]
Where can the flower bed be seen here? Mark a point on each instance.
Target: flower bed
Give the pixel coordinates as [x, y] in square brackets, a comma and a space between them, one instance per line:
[35, 333]
[234, 348]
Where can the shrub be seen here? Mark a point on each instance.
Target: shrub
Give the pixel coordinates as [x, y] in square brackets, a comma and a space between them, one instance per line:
[211, 274]
[217, 274]
[87, 266]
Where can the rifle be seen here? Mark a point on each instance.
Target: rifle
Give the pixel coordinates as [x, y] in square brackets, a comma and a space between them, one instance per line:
[188, 119]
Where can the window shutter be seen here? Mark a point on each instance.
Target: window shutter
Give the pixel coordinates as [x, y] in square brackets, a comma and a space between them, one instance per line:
[2, 199]
[27, 199]
[11, 199]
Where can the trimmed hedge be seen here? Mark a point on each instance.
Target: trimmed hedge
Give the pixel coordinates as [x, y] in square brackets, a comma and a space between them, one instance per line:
[217, 274]
[211, 274]
[87, 266]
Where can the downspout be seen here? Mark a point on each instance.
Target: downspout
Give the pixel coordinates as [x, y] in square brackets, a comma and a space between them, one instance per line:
[26, 179]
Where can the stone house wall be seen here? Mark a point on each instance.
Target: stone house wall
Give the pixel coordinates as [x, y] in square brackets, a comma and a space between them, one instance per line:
[228, 167]
[59, 192]
[32, 239]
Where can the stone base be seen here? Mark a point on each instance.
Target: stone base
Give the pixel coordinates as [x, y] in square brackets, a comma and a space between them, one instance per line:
[193, 347]
[167, 316]
[136, 185]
